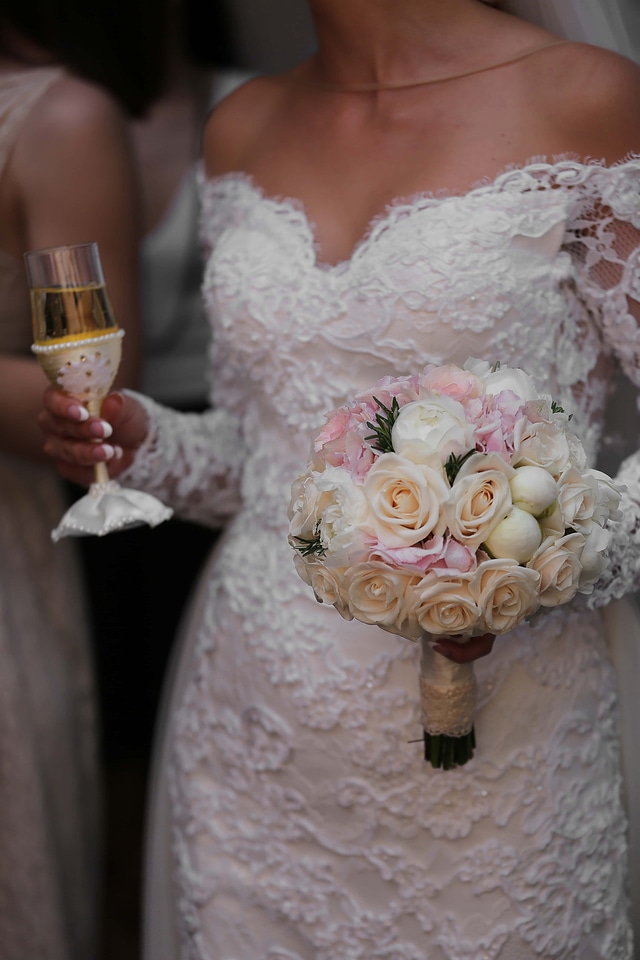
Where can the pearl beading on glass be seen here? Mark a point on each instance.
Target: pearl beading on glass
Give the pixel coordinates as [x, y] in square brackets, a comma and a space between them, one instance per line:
[89, 342]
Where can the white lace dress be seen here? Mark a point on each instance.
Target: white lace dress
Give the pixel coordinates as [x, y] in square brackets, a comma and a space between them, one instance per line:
[305, 824]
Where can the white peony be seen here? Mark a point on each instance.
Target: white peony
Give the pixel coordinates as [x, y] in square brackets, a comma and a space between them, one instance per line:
[343, 511]
[513, 379]
[304, 507]
[533, 489]
[404, 500]
[517, 537]
[434, 426]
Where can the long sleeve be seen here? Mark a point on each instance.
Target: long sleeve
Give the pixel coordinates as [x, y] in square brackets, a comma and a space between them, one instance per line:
[190, 461]
[606, 246]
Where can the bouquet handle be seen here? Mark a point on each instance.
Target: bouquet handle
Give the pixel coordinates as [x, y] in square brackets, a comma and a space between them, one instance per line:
[448, 696]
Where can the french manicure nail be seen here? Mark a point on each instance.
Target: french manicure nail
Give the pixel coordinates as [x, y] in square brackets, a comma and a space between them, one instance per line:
[76, 412]
[117, 453]
[107, 450]
[101, 429]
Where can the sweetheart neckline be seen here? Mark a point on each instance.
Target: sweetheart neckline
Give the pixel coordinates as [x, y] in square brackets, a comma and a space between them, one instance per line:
[568, 164]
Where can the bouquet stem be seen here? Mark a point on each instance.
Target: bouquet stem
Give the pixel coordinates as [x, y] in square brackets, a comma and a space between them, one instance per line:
[448, 699]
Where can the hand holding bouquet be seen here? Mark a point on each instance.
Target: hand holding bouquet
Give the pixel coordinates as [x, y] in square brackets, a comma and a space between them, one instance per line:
[456, 503]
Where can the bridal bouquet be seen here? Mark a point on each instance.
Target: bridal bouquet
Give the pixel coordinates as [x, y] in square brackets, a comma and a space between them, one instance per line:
[455, 502]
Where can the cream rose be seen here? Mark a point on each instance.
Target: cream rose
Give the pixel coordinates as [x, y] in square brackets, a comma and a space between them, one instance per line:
[593, 556]
[378, 594]
[434, 426]
[404, 500]
[553, 525]
[578, 497]
[506, 593]
[541, 444]
[517, 537]
[326, 584]
[445, 606]
[608, 497]
[558, 563]
[480, 498]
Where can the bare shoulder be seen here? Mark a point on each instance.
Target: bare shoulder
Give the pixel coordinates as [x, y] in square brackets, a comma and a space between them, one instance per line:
[593, 96]
[236, 124]
[72, 104]
[73, 122]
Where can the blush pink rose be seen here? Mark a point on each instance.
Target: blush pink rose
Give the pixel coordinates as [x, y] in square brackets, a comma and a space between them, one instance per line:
[437, 553]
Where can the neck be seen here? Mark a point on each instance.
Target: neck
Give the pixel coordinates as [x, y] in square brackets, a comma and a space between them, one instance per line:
[384, 42]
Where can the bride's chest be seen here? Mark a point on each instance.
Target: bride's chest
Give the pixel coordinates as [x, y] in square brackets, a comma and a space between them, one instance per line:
[459, 264]
[435, 280]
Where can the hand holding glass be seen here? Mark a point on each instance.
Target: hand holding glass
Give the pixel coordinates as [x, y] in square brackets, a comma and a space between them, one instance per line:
[78, 345]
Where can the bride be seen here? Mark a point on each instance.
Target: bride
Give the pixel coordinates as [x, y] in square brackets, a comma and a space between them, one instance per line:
[373, 210]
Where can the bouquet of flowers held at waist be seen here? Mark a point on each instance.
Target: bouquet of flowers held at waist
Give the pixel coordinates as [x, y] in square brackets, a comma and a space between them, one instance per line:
[455, 502]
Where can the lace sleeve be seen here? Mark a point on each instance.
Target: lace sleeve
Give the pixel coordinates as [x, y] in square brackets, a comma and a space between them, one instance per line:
[606, 248]
[190, 461]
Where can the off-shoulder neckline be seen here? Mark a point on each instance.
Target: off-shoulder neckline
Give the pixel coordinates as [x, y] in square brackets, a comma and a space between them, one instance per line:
[566, 170]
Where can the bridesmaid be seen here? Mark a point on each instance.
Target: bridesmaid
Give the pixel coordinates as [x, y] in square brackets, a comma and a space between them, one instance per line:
[66, 176]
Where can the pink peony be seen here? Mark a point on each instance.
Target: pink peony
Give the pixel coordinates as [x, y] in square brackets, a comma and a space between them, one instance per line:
[451, 381]
[337, 425]
[495, 418]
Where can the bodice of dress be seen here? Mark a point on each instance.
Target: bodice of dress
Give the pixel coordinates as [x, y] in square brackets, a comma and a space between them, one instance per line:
[539, 268]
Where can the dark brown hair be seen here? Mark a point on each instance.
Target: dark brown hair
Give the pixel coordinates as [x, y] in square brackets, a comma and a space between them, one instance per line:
[118, 44]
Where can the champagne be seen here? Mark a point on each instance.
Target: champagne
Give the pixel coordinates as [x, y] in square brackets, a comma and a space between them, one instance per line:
[71, 313]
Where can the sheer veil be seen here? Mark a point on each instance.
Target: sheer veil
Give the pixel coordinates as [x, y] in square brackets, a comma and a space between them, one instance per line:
[614, 24]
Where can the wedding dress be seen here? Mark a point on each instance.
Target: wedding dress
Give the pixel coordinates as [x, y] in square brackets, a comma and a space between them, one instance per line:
[291, 795]
[48, 764]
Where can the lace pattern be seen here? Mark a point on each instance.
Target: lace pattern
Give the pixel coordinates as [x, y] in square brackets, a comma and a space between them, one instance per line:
[306, 825]
[191, 461]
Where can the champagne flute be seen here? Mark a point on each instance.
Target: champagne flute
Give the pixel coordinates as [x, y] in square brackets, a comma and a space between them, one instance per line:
[79, 345]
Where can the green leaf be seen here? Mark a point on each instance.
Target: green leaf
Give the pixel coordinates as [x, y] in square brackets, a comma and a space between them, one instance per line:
[385, 419]
[308, 547]
[454, 464]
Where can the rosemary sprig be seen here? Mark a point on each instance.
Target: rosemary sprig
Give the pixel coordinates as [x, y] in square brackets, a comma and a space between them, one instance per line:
[308, 547]
[556, 408]
[383, 426]
[454, 464]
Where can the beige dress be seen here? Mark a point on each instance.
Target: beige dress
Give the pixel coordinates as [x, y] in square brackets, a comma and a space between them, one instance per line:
[48, 796]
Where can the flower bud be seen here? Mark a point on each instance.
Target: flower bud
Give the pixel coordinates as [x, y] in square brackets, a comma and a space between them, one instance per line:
[533, 489]
[517, 537]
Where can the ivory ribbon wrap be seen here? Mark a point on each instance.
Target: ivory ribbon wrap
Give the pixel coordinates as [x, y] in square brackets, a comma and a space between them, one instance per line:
[448, 693]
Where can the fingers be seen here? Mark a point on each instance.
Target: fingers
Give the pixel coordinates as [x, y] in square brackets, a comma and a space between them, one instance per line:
[74, 437]
[465, 651]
